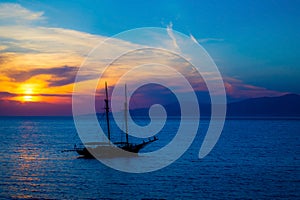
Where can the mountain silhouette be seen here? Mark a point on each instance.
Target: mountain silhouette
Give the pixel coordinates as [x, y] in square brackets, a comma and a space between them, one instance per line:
[283, 106]
[286, 105]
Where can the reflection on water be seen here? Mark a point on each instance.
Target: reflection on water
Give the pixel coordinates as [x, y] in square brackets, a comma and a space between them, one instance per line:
[253, 159]
[25, 168]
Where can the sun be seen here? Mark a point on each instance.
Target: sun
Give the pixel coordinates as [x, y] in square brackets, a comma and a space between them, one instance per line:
[28, 92]
[27, 98]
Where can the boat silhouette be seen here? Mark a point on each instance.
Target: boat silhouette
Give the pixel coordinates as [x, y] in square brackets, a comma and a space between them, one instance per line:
[112, 149]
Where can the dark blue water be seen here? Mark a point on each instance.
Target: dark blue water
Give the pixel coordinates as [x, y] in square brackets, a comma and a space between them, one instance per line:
[253, 159]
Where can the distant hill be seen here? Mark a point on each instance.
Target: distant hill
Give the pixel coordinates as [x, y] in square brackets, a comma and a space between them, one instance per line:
[286, 105]
[282, 106]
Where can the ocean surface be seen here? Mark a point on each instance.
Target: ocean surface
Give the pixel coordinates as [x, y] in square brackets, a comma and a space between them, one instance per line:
[252, 159]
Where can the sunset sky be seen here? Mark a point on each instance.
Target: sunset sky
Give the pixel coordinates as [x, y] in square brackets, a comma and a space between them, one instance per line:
[255, 44]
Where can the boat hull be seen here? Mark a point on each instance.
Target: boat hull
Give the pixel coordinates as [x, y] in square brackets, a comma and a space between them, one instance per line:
[105, 152]
[121, 149]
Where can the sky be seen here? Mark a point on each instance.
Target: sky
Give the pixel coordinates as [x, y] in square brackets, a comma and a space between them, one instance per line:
[255, 45]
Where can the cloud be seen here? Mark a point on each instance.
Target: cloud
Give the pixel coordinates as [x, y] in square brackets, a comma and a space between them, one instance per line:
[48, 55]
[170, 33]
[193, 38]
[238, 89]
[22, 38]
[16, 108]
[206, 40]
[3, 59]
[6, 94]
[59, 76]
[14, 13]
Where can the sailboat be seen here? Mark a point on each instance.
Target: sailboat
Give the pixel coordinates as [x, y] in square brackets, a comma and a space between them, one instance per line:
[113, 149]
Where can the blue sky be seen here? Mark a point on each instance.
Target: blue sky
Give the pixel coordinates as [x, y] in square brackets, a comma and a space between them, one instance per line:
[256, 41]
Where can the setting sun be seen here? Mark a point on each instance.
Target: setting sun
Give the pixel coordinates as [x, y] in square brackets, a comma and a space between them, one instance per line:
[27, 98]
[29, 92]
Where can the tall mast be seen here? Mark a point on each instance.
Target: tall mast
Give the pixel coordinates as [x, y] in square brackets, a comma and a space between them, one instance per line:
[107, 112]
[125, 114]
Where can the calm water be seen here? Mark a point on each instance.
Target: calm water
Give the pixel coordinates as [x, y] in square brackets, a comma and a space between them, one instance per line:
[253, 159]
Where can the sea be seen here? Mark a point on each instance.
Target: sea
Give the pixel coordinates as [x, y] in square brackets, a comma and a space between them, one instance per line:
[253, 159]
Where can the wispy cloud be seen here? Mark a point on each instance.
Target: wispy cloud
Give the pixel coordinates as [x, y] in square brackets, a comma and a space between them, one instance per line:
[170, 33]
[14, 13]
[206, 40]
[193, 38]
[47, 40]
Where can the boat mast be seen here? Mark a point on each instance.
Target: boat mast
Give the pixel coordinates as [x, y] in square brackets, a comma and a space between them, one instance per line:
[125, 114]
[107, 112]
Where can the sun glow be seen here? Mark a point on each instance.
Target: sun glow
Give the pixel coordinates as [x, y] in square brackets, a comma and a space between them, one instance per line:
[28, 93]
[27, 98]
